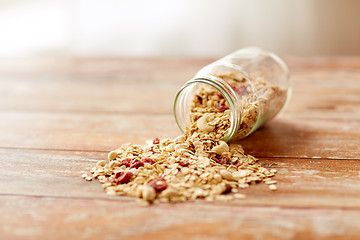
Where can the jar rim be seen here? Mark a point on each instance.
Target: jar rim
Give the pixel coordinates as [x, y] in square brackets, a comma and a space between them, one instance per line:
[224, 88]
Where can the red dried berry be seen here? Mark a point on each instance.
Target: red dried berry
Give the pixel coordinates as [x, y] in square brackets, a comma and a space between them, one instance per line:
[136, 163]
[184, 163]
[125, 178]
[118, 174]
[147, 160]
[158, 184]
[220, 160]
[238, 164]
[219, 95]
[156, 141]
[126, 162]
[221, 107]
[241, 90]
[200, 100]
[152, 149]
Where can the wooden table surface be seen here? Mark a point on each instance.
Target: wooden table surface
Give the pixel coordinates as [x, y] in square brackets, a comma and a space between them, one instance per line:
[58, 117]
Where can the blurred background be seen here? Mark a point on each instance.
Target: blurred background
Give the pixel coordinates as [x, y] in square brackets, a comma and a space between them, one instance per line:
[177, 28]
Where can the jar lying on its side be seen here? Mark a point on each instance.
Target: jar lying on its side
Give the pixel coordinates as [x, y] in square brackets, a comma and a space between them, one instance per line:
[233, 96]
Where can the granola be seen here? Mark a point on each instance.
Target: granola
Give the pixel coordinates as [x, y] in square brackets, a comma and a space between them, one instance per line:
[196, 164]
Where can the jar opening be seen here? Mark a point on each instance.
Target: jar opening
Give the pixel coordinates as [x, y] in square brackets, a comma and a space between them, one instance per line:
[188, 92]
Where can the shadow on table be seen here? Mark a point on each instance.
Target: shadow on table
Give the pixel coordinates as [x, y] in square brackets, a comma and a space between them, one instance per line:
[281, 138]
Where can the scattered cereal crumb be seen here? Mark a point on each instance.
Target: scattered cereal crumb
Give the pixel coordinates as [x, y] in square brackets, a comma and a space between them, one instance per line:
[272, 187]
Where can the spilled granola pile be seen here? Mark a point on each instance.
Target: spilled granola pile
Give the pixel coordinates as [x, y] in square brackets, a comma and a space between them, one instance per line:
[197, 164]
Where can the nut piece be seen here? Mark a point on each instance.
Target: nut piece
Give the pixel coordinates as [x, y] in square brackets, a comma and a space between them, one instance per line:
[169, 193]
[221, 148]
[112, 155]
[226, 175]
[148, 193]
[202, 124]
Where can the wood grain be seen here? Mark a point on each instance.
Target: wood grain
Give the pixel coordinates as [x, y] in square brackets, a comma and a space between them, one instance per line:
[58, 117]
[302, 183]
[58, 218]
[281, 137]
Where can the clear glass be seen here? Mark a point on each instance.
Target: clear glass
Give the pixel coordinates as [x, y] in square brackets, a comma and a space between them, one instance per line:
[255, 85]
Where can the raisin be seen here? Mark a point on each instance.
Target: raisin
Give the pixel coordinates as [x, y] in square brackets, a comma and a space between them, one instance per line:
[136, 163]
[148, 160]
[221, 107]
[126, 162]
[158, 184]
[156, 141]
[124, 178]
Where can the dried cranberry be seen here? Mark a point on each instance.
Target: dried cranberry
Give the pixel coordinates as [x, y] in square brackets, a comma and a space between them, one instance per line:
[221, 107]
[220, 160]
[238, 164]
[219, 95]
[152, 149]
[126, 162]
[241, 90]
[156, 141]
[184, 163]
[125, 178]
[136, 163]
[158, 184]
[147, 160]
[118, 174]
[200, 100]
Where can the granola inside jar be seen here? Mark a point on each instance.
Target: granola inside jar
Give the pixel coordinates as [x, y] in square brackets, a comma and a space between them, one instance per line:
[233, 96]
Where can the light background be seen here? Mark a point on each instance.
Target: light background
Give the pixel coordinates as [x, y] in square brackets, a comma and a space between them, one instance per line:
[177, 28]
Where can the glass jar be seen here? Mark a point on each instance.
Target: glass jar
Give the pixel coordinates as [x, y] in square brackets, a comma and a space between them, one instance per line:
[254, 85]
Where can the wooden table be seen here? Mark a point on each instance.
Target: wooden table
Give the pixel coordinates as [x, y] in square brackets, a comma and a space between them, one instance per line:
[58, 117]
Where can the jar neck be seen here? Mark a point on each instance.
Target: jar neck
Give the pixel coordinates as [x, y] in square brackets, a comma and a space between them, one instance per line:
[181, 109]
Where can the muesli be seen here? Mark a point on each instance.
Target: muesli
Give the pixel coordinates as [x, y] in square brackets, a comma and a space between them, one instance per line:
[196, 164]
